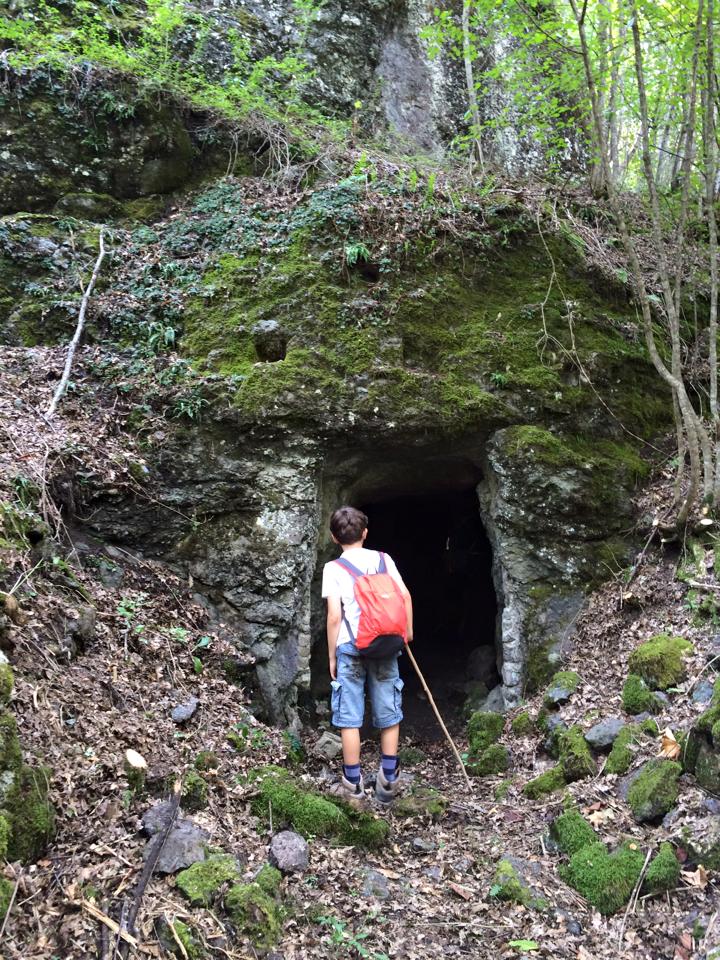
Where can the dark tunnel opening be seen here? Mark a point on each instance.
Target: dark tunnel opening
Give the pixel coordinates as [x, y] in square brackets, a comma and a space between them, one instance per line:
[443, 553]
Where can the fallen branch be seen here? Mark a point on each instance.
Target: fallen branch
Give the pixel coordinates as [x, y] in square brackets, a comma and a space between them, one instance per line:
[114, 927]
[632, 902]
[9, 909]
[62, 386]
[149, 868]
[707, 587]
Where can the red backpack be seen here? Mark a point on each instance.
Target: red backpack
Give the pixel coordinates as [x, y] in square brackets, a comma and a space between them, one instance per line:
[383, 620]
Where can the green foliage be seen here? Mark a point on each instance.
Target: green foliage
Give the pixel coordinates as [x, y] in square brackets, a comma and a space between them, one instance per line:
[356, 252]
[155, 54]
[660, 661]
[349, 941]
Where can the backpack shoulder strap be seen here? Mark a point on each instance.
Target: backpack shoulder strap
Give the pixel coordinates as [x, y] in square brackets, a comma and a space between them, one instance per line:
[383, 566]
[351, 568]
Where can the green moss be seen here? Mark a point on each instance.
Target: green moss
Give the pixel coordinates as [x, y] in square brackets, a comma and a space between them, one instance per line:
[10, 752]
[5, 829]
[548, 782]
[655, 790]
[206, 760]
[6, 892]
[564, 683]
[574, 754]
[255, 913]
[312, 814]
[623, 749]
[502, 790]
[483, 729]
[269, 879]
[191, 949]
[421, 802]
[664, 871]
[522, 724]
[294, 748]
[411, 756]
[7, 682]
[493, 760]
[507, 885]
[200, 882]
[707, 722]
[30, 813]
[660, 661]
[572, 832]
[194, 791]
[539, 666]
[605, 880]
[637, 698]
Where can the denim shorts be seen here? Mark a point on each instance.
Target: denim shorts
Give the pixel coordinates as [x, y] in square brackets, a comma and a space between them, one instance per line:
[348, 691]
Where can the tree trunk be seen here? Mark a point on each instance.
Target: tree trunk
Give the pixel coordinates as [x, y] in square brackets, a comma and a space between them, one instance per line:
[470, 83]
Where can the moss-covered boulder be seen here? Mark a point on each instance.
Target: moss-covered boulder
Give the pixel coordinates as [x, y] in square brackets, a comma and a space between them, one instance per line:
[574, 754]
[552, 726]
[493, 760]
[28, 808]
[572, 832]
[513, 883]
[663, 873]
[637, 697]
[522, 724]
[10, 752]
[548, 782]
[201, 882]
[485, 755]
[654, 790]
[179, 939]
[194, 791]
[7, 681]
[605, 879]
[627, 744]
[660, 661]
[254, 910]
[561, 687]
[310, 813]
[421, 801]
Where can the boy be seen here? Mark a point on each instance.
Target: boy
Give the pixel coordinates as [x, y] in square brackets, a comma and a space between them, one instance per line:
[350, 672]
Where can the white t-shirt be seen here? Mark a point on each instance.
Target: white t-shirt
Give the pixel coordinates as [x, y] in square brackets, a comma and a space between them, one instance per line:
[337, 582]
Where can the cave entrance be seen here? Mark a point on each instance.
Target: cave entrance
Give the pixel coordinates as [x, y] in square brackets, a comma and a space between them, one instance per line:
[442, 550]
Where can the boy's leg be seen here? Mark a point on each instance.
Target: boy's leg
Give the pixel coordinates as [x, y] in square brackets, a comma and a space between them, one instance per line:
[389, 740]
[385, 688]
[348, 707]
[350, 737]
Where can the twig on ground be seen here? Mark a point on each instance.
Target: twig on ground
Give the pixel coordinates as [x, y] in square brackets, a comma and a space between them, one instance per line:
[633, 899]
[10, 906]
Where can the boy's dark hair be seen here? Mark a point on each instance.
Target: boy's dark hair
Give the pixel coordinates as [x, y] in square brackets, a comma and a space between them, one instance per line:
[347, 524]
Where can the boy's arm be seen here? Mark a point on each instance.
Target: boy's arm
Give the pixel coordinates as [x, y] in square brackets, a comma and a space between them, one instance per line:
[334, 619]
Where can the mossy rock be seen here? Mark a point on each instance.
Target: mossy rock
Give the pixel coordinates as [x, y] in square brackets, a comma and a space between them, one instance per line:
[10, 752]
[5, 830]
[654, 791]
[664, 871]
[624, 749]
[7, 683]
[483, 729]
[660, 661]
[522, 724]
[575, 757]
[421, 802]
[255, 913]
[572, 832]
[411, 756]
[269, 879]
[508, 886]
[561, 687]
[605, 879]
[191, 948]
[30, 812]
[552, 726]
[548, 782]
[637, 697]
[206, 760]
[6, 892]
[294, 747]
[312, 814]
[493, 760]
[201, 882]
[541, 664]
[194, 791]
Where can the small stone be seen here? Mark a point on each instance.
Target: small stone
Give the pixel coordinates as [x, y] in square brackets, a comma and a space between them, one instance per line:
[602, 735]
[329, 746]
[702, 692]
[155, 817]
[435, 873]
[375, 885]
[289, 852]
[562, 686]
[185, 845]
[712, 805]
[423, 845]
[183, 711]
[554, 727]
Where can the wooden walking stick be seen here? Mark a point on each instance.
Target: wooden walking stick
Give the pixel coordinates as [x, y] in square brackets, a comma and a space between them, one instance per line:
[413, 661]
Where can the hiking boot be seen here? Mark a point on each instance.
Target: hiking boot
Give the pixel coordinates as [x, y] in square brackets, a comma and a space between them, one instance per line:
[352, 793]
[386, 790]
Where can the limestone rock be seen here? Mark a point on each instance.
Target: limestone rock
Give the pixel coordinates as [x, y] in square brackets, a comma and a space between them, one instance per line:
[185, 845]
[329, 746]
[289, 852]
[184, 711]
[603, 734]
[375, 885]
